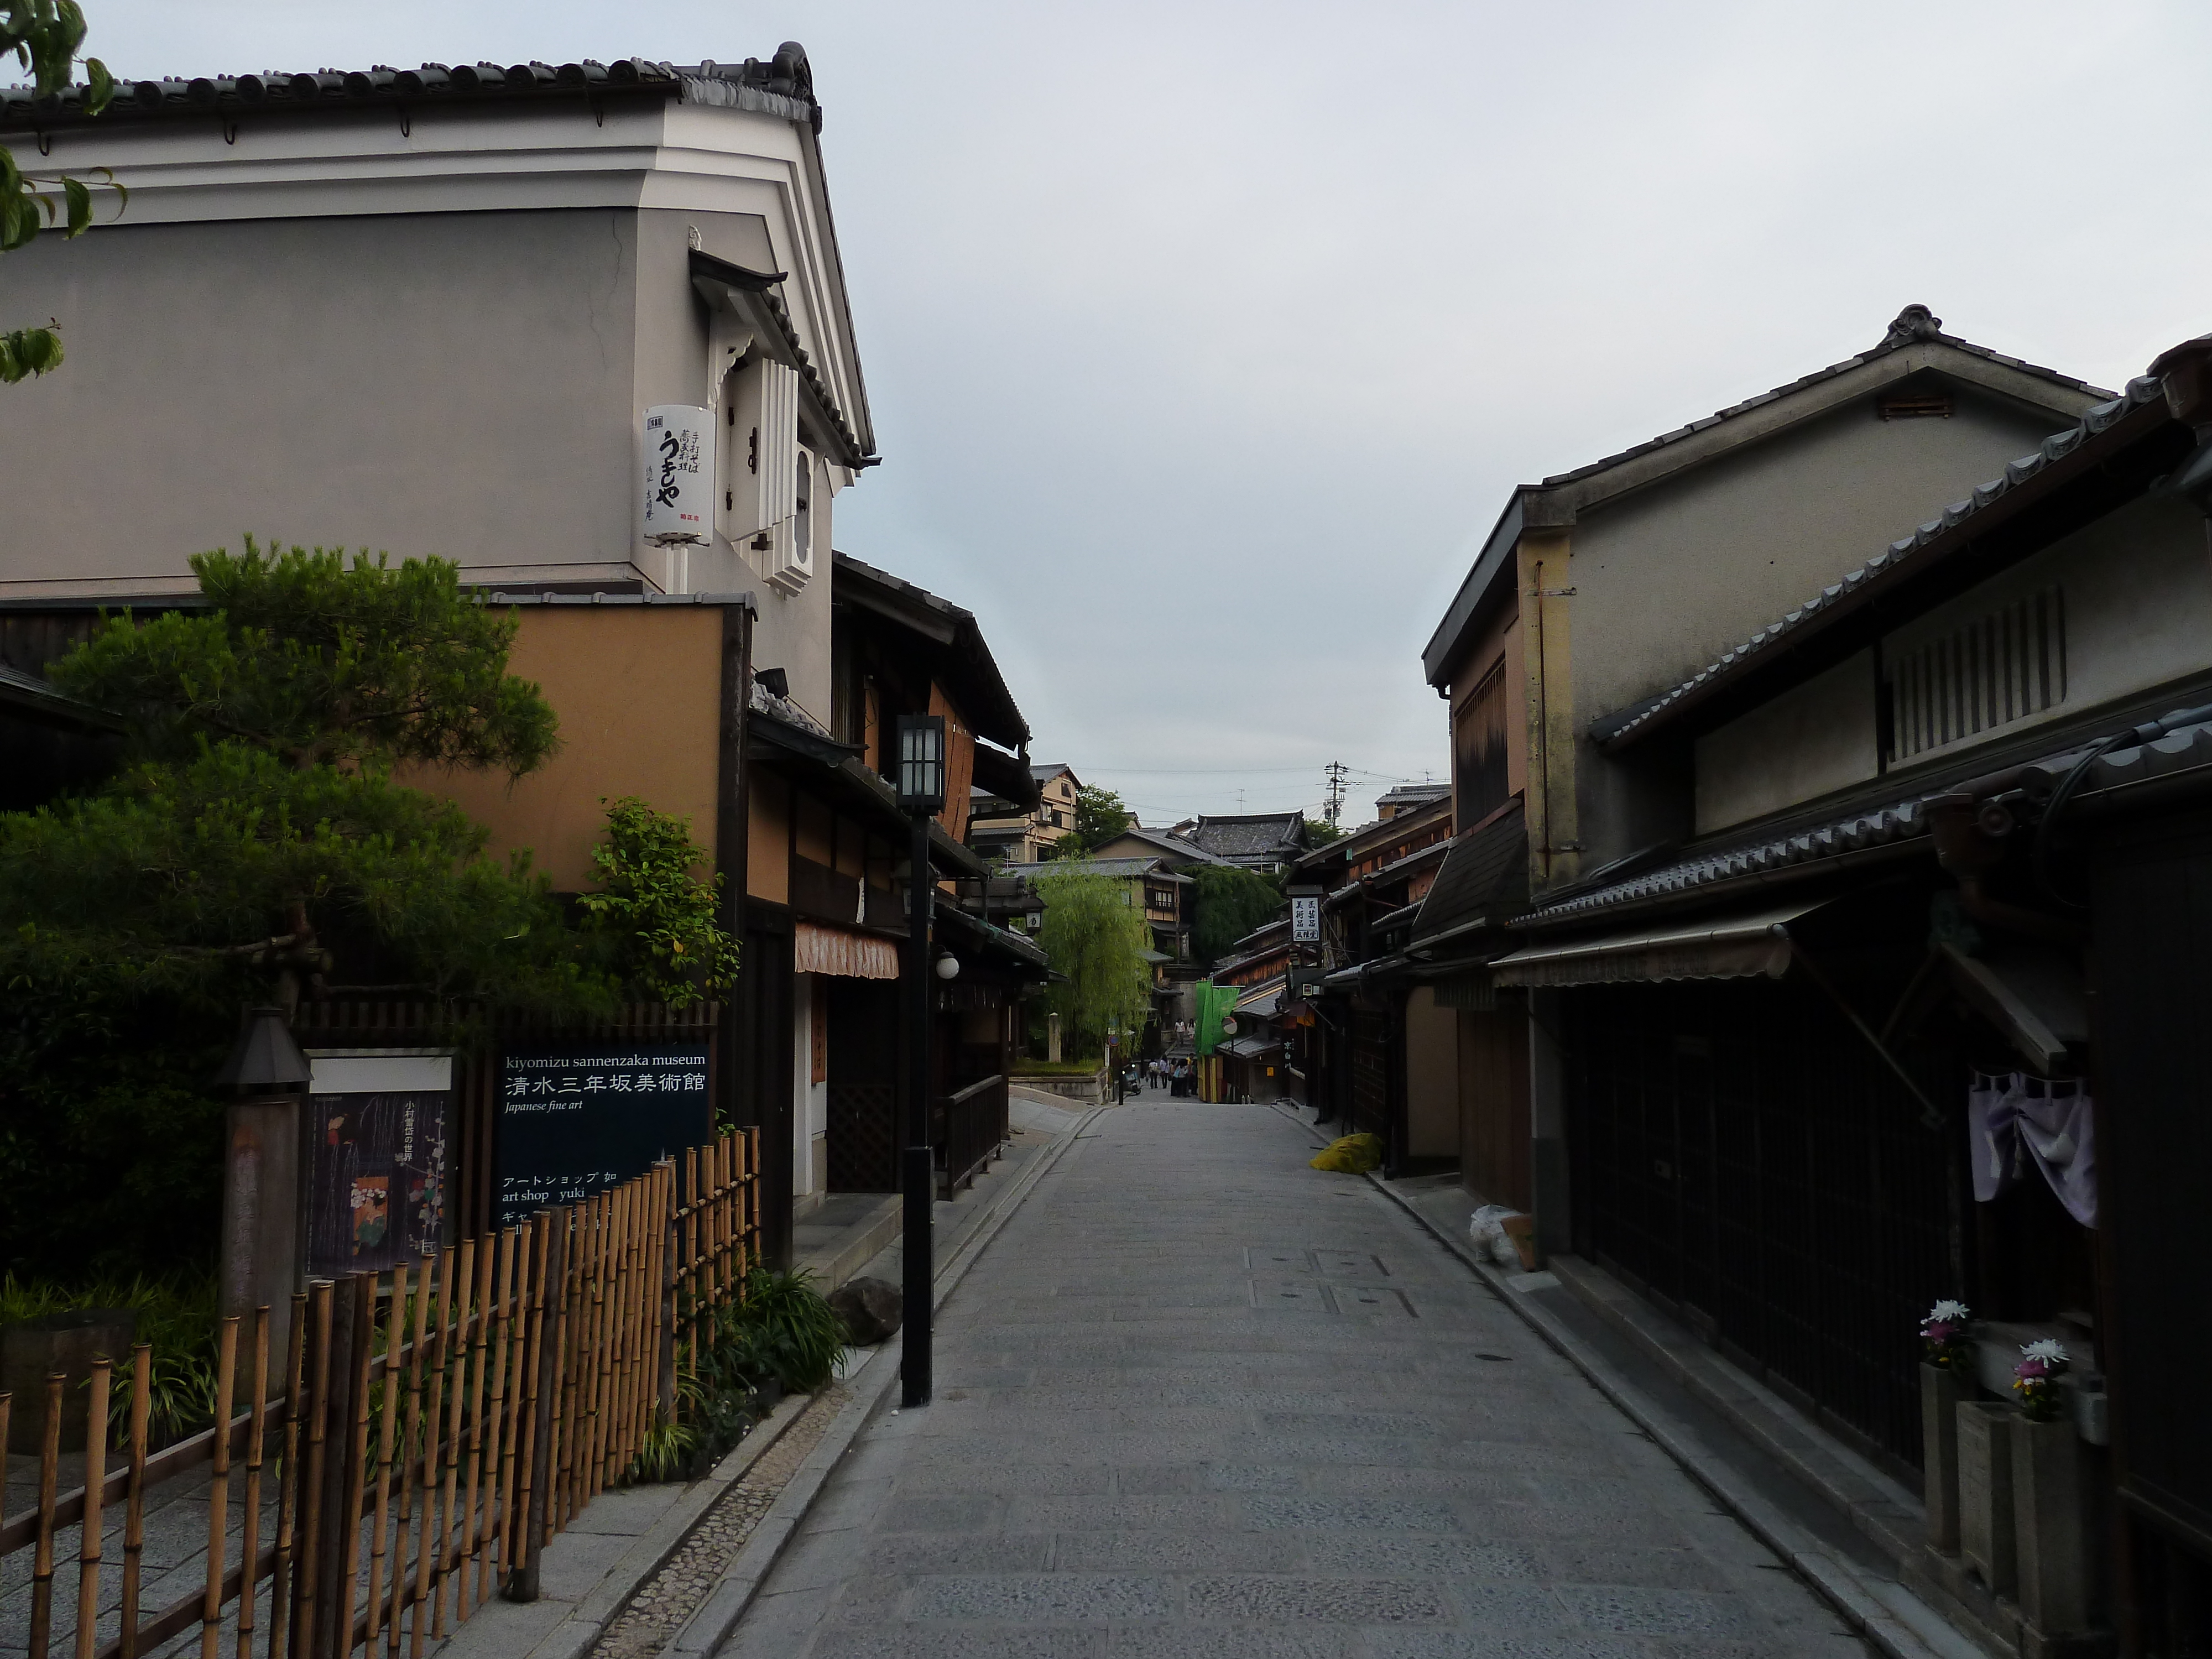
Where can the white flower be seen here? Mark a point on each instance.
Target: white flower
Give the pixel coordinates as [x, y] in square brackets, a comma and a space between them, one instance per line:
[1946, 1309]
[2049, 1350]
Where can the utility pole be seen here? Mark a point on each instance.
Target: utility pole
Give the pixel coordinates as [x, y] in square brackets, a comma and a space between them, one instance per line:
[1334, 808]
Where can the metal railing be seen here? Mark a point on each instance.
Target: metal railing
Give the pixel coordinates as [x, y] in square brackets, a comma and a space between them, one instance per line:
[969, 1129]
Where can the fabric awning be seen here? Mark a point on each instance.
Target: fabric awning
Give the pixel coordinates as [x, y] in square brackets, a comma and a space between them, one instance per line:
[1742, 947]
[818, 949]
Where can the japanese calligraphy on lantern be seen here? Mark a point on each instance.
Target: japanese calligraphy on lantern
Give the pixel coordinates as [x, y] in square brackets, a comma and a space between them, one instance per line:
[573, 1121]
[376, 1159]
[679, 473]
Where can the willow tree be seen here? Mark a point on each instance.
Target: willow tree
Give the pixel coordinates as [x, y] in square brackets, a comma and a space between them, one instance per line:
[1096, 938]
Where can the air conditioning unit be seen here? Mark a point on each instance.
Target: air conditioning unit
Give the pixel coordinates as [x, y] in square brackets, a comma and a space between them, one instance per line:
[676, 451]
[767, 497]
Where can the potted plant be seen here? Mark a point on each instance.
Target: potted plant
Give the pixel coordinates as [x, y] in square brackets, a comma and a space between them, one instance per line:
[1946, 1363]
[2048, 1528]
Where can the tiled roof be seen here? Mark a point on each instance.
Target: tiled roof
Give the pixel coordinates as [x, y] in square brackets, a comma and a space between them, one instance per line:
[2143, 389]
[2180, 742]
[1249, 837]
[784, 85]
[1904, 821]
[1912, 326]
[986, 701]
[711, 274]
[1116, 867]
[765, 702]
[1414, 791]
[1174, 846]
[1484, 877]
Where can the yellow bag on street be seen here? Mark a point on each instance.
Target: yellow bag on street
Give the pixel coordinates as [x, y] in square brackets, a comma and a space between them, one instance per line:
[1354, 1154]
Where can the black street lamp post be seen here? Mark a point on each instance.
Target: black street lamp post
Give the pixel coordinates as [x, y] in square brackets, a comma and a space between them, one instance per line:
[921, 797]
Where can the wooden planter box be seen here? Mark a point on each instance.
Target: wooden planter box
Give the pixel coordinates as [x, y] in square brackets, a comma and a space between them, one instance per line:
[1986, 1492]
[2050, 1538]
[1939, 1445]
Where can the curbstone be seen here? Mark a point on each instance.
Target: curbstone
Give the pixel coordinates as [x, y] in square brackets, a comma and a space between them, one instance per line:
[578, 1630]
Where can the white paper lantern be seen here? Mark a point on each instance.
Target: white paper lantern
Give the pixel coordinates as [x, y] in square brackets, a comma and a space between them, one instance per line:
[679, 459]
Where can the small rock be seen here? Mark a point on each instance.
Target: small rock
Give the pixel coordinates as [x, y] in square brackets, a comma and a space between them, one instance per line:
[871, 1309]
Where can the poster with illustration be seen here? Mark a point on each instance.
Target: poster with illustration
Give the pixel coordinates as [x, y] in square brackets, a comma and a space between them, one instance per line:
[376, 1159]
[575, 1121]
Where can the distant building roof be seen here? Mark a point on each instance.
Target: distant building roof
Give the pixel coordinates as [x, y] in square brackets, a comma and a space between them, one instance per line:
[954, 644]
[1045, 772]
[1267, 837]
[1178, 849]
[1412, 794]
[1117, 867]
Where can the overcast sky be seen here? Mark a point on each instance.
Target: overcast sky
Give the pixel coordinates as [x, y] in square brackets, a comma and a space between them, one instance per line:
[1206, 340]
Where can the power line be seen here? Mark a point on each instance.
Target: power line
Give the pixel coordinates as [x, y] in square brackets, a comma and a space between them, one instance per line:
[1334, 772]
[1246, 772]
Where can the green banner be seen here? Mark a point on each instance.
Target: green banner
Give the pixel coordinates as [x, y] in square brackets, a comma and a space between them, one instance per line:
[1214, 1002]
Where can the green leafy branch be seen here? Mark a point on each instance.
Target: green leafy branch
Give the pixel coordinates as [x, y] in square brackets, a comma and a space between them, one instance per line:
[44, 36]
[659, 917]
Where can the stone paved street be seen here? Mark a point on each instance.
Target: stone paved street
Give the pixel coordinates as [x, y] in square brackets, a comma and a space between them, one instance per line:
[1197, 1399]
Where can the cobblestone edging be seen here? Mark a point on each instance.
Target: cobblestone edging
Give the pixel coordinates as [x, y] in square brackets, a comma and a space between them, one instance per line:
[668, 1599]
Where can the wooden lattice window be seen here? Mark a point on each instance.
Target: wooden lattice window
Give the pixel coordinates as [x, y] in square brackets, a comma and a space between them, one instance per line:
[1984, 674]
[1478, 764]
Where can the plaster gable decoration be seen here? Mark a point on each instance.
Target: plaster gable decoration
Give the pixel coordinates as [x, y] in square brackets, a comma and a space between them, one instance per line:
[764, 510]
[729, 338]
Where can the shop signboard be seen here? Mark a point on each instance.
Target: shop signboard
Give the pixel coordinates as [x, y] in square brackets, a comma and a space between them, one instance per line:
[577, 1118]
[376, 1130]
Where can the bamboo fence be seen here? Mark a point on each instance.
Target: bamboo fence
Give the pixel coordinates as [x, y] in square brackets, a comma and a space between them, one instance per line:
[430, 1431]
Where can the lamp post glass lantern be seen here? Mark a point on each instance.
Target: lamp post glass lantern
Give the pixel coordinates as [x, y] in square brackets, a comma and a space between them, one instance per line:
[920, 796]
[922, 763]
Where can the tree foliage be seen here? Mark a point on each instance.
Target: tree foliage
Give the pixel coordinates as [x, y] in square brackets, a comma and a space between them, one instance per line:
[1095, 935]
[1228, 901]
[44, 37]
[1099, 816]
[319, 661]
[1320, 832]
[667, 945]
[255, 845]
[179, 875]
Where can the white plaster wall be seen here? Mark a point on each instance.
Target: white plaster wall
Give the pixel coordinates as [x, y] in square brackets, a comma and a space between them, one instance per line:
[2137, 587]
[438, 342]
[2138, 606]
[1667, 578]
[1813, 738]
[810, 1144]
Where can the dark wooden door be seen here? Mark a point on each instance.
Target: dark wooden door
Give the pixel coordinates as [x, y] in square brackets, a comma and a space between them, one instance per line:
[1494, 1103]
[2152, 944]
[862, 1015]
[1743, 1157]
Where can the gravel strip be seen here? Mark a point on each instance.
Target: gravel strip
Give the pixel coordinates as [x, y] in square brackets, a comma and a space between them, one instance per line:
[660, 1607]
